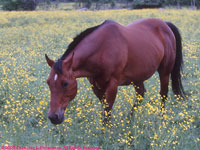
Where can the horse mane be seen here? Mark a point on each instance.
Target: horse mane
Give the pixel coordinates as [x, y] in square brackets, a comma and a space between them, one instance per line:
[58, 64]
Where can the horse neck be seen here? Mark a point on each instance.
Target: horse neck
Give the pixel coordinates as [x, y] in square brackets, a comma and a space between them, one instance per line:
[84, 51]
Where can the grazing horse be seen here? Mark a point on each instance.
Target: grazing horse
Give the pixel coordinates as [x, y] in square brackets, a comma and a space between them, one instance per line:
[111, 55]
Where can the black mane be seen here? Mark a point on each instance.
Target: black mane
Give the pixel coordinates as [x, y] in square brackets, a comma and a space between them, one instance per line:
[58, 65]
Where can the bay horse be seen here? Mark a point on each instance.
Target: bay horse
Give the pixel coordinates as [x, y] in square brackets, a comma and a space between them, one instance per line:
[112, 55]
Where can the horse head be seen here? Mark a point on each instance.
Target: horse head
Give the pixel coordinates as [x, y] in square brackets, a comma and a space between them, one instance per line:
[63, 87]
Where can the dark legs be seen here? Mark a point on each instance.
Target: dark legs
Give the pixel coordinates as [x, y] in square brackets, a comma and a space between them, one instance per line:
[140, 89]
[164, 83]
[164, 71]
[106, 94]
[110, 95]
[98, 91]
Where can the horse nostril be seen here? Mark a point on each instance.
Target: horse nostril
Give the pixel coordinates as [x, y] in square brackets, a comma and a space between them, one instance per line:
[50, 117]
[55, 118]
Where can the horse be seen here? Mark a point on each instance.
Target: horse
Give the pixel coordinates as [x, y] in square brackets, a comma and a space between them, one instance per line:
[111, 55]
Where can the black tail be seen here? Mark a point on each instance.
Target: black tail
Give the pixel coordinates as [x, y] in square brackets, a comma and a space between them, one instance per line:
[177, 86]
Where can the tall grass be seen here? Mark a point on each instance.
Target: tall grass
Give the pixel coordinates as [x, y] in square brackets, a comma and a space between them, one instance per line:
[24, 96]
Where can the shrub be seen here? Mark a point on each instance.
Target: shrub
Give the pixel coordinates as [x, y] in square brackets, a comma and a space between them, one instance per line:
[146, 4]
[18, 5]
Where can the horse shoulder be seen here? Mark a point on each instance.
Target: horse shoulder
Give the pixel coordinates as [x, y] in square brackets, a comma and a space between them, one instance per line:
[114, 49]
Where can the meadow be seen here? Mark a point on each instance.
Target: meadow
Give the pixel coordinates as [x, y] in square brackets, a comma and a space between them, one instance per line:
[25, 37]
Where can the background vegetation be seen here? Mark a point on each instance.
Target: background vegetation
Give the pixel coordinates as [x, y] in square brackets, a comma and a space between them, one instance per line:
[95, 4]
[24, 95]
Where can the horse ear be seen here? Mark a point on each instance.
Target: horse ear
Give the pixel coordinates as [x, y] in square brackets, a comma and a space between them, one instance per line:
[49, 61]
[68, 61]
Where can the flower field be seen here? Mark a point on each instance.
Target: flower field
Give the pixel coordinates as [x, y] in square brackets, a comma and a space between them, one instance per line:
[25, 37]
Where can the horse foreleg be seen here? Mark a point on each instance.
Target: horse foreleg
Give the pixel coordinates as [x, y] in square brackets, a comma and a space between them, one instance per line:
[110, 95]
[106, 95]
[98, 91]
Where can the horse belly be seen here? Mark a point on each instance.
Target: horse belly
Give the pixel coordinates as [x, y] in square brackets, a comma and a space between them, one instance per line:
[144, 58]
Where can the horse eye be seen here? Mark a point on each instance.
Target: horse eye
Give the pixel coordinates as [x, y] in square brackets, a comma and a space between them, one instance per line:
[64, 84]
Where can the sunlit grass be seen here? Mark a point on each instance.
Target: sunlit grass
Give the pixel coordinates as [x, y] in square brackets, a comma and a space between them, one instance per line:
[24, 96]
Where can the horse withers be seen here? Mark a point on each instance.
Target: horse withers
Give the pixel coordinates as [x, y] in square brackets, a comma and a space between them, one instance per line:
[111, 55]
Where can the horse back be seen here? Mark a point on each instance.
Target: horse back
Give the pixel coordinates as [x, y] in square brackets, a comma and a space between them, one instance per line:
[127, 53]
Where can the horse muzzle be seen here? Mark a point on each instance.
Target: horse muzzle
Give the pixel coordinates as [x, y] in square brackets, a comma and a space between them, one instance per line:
[56, 117]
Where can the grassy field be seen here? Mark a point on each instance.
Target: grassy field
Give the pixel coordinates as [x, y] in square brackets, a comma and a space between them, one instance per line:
[25, 37]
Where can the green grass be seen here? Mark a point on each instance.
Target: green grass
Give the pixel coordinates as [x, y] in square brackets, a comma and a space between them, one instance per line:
[24, 95]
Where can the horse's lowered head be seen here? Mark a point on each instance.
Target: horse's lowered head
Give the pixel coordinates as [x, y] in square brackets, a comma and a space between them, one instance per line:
[63, 87]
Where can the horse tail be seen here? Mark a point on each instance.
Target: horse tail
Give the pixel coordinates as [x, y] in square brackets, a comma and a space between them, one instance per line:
[177, 86]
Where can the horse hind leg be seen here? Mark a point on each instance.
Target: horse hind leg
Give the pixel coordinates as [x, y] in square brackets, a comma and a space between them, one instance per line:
[140, 90]
[164, 83]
